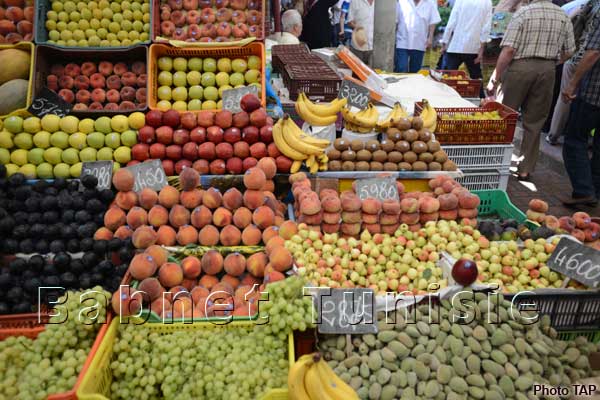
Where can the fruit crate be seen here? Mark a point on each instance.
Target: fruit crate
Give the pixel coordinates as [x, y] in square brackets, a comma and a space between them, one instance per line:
[496, 202]
[97, 380]
[47, 55]
[465, 86]
[158, 50]
[26, 46]
[480, 157]
[41, 33]
[485, 180]
[317, 80]
[484, 131]
[259, 5]
[282, 54]
[29, 325]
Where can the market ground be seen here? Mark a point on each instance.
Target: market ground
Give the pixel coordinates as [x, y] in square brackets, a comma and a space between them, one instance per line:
[549, 182]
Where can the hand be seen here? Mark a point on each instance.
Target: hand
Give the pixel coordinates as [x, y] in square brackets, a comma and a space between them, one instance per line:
[341, 33]
[491, 86]
[428, 43]
[568, 95]
[478, 58]
[444, 48]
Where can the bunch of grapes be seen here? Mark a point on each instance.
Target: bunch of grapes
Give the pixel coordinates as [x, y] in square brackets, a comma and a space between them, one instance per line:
[50, 364]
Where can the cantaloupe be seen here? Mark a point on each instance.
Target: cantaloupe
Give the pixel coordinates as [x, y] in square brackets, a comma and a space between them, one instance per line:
[15, 64]
[13, 95]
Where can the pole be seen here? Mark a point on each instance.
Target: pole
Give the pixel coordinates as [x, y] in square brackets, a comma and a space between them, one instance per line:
[384, 34]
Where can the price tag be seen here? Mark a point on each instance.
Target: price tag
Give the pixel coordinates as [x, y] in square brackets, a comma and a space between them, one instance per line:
[576, 261]
[149, 174]
[378, 188]
[358, 96]
[48, 102]
[346, 311]
[102, 170]
[232, 97]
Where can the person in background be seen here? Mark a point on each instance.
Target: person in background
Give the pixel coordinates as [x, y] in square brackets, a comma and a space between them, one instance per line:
[539, 36]
[316, 32]
[466, 34]
[334, 16]
[291, 23]
[585, 116]
[344, 30]
[416, 21]
[361, 16]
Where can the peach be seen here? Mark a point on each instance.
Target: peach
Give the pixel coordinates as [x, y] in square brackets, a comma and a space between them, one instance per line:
[351, 202]
[158, 253]
[249, 162]
[191, 199]
[388, 219]
[448, 215]
[242, 217]
[212, 198]
[187, 234]
[582, 219]
[179, 216]
[232, 199]
[142, 266]
[234, 264]
[191, 267]
[268, 166]
[390, 229]
[137, 217]
[351, 217]
[166, 236]
[315, 219]
[350, 229]
[222, 217]
[123, 232]
[281, 259]
[168, 196]
[208, 281]
[126, 200]
[535, 216]
[567, 224]
[230, 236]
[170, 274]
[274, 152]
[254, 199]
[428, 205]
[199, 291]
[372, 228]
[288, 229]
[269, 233]
[143, 237]
[409, 218]
[104, 233]
[468, 200]
[189, 179]
[370, 218]
[208, 236]
[123, 180]
[114, 218]
[276, 241]
[551, 222]
[390, 206]
[467, 212]
[201, 216]
[578, 234]
[448, 201]
[158, 216]
[251, 235]
[126, 301]
[263, 217]
[426, 217]
[256, 263]
[151, 289]
[538, 205]
[212, 262]
[330, 228]
[182, 308]
[409, 205]
[332, 218]
[254, 178]
[310, 206]
[371, 206]
[331, 204]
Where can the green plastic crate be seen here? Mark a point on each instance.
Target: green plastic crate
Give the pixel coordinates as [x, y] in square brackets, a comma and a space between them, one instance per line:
[496, 202]
[591, 336]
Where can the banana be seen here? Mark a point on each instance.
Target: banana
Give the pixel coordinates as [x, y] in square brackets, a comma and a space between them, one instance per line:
[429, 116]
[367, 118]
[283, 146]
[292, 136]
[322, 109]
[396, 113]
[314, 387]
[303, 136]
[311, 118]
[296, 375]
[296, 165]
[332, 384]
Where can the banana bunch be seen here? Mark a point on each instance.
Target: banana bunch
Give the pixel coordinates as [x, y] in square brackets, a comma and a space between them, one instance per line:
[294, 143]
[429, 116]
[394, 115]
[318, 114]
[363, 121]
[311, 378]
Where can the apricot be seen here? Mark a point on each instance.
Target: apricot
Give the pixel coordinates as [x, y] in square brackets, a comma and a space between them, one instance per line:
[158, 216]
[187, 234]
[233, 199]
[369, 218]
[123, 232]
[201, 216]
[168, 196]
[242, 217]
[263, 217]
[389, 219]
[448, 215]
[351, 202]
[212, 262]
[222, 217]
[351, 217]
[235, 264]
[409, 218]
[104, 233]
[428, 205]
[151, 289]
[189, 179]
[212, 198]
[142, 266]
[254, 199]
[287, 229]
[179, 216]
[230, 236]
[191, 199]
[208, 236]
[123, 180]
[191, 267]
[147, 198]
[269, 233]
[467, 212]
[538, 205]
[170, 274]
[208, 281]
[254, 178]
[143, 237]
[251, 235]
[166, 236]
[256, 263]
[468, 200]
[126, 200]
[273, 243]
[390, 206]
[448, 201]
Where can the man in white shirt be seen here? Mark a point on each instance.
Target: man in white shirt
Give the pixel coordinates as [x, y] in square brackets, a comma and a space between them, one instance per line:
[362, 15]
[466, 34]
[416, 21]
[291, 23]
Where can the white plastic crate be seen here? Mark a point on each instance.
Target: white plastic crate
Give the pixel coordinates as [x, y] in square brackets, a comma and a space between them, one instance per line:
[478, 157]
[485, 180]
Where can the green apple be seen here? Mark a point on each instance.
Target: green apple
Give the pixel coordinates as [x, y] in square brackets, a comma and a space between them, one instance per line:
[59, 139]
[75, 170]
[128, 138]
[209, 65]
[211, 93]
[253, 62]
[208, 79]
[179, 94]
[122, 155]
[193, 78]
[163, 105]
[44, 171]
[78, 140]
[112, 140]
[164, 93]
[87, 154]
[70, 156]
[50, 123]
[19, 157]
[32, 125]
[105, 154]
[14, 124]
[69, 124]
[180, 64]
[35, 156]
[180, 105]
[223, 89]
[53, 155]
[236, 79]
[195, 92]
[95, 140]
[252, 76]
[62, 170]
[6, 140]
[28, 170]
[86, 126]
[11, 169]
[119, 123]
[165, 63]
[179, 79]
[23, 140]
[194, 105]
[165, 78]
[222, 78]
[4, 156]
[209, 105]
[194, 64]
[239, 65]
[102, 125]
[224, 65]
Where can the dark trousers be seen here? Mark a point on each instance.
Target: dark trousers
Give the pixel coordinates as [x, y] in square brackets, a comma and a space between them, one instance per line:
[408, 60]
[555, 95]
[584, 172]
[454, 61]
[334, 35]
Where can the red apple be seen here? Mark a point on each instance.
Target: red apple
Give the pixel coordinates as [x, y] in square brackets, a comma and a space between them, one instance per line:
[154, 118]
[250, 134]
[241, 149]
[181, 164]
[214, 134]
[198, 135]
[174, 152]
[241, 119]
[169, 167]
[258, 117]
[164, 135]
[232, 135]
[206, 151]
[248, 163]
[234, 165]
[158, 151]
[139, 152]
[266, 134]
[217, 167]
[249, 102]
[171, 118]
[464, 272]
[181, 136]
[201, 166]
[188, 120]
[190, 151]
[146, 134]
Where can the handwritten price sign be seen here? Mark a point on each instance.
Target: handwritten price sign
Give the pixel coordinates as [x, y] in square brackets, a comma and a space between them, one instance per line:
[149, 174]
[346, 311]
[576, 261]
[232, 97]
[102, 170]
[358, 96]
[377, 188]
[48, 102]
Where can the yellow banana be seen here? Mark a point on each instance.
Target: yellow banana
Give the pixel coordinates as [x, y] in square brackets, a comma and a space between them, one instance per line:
[296, 389]
[312, 165]
[296, 165]
[311, 118]
[367, 118]
[291, 135]
[289, 124]
[396, 113]
[429, 116]
[332, 384]
[323, 109]
[282, 144]
[313, 385]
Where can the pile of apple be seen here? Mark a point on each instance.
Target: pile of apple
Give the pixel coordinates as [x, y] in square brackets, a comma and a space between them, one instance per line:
[579, 225]
[100, 87]
[56, 147]
[211, 143]
[208, 21]
[16, 21]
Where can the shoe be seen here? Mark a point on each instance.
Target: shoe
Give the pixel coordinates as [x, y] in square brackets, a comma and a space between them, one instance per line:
[551, 141]
[576, 201]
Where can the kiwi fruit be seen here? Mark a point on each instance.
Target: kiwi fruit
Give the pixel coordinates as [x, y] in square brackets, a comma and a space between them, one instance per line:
[426, 157]
[395, 136]
[372, 145]
[417, 123]
[435, 166]
[440, 156]
[410, 135]
[403, 124]
[402, 146]
[424, 135]
[334, 165]
[404, 166]
[363, 155]
[410, 157]
[334, 154]
[395, 157]
[387, 145]
[348, 155]
[357, 145]
[348, 166]
[376, 166]
[380, 156]
[449, 166]
[364, 166]
[433, 146]
[390, 166]
[341, 144]
[419, 147]
[391, 132]
[419, 166]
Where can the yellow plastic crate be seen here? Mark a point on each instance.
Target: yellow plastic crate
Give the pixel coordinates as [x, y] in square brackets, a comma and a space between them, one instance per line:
[98, 378]
[26, 46]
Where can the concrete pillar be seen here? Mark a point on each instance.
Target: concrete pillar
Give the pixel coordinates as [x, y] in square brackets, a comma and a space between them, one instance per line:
[384, 34]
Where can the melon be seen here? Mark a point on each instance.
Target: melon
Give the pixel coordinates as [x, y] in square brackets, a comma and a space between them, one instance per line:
[13, 95]
[15, 65]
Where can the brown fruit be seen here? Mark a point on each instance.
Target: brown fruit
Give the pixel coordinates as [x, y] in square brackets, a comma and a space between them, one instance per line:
[387, 145]
[375, 166]
[449, 166]
[341, 144]
[410, 135]
[403, 124]
[334, 165]
[419, 147]
[410, 157]
[334, 154]
[417, 123]
[362, 166]
[402, 146]
[433, 146]
[440, 156]
[380, 156]
[434, 166]
[372, 145]
[419, 166]
[390, 166]
[426, 157]
[363, 155]
[348, 166]
[404, 166]
[395, 157]
[348, 155]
